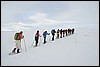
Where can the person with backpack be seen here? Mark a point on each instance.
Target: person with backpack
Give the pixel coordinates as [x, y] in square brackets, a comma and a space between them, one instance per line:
[61, 33]
[69, 31]
[58, 34]
[66, 31]
[37, 38]
[53, 33]
[18, 37]
[73, 31]
[45, 33]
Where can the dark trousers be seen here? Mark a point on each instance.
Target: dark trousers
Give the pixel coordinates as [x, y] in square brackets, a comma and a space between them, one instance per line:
[36, 42]
[44, 40]
[72, 32]
[52, 37]
[60, 35]
[36, 39]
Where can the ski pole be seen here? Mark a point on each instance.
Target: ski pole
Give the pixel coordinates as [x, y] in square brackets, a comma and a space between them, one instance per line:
[25, 45]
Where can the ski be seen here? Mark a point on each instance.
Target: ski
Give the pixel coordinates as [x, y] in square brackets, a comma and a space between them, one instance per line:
[11, 53]
[36, 46]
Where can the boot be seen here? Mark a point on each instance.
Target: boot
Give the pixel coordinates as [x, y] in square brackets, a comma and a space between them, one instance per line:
[14, 50]
[18, 51]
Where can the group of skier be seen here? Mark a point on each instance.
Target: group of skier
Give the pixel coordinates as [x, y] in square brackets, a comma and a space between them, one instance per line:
[59, 34]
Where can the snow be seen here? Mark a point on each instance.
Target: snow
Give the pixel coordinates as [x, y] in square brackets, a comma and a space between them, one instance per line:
[79, 49]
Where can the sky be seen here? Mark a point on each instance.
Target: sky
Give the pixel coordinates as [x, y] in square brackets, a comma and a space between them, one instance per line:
[22, 14]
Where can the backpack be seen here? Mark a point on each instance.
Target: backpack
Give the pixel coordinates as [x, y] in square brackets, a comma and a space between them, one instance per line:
[52, 31]
[16, 37]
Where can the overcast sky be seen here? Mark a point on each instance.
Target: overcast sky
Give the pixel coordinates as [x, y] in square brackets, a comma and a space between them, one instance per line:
[49, 12]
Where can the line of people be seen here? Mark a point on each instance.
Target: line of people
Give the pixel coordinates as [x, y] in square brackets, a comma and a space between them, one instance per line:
[59, 34]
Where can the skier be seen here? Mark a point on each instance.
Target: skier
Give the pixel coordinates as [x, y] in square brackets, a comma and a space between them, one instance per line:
[18, 37]
[66, 31]
[37, 37]
[73, 31]
[53, 33]
[45, 33]
[61, 33]
[69, 31]
[58, 34]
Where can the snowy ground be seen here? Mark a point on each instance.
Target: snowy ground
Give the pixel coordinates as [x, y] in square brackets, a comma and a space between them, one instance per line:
[79, 49]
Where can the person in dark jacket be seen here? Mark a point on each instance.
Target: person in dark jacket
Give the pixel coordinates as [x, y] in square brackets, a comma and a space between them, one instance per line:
[66, 31]
[73, 31]
[61, 33]
[37, 37]
[69, 31]
[58, 34]
[45, 33]
[53, 33]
